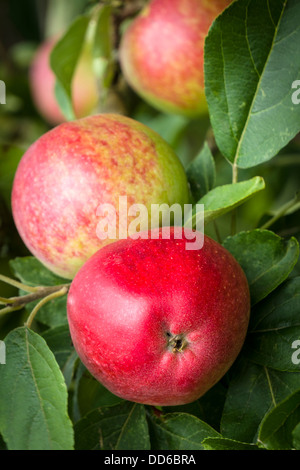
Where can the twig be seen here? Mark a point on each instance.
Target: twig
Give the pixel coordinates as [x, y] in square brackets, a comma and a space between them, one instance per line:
[17, 303]
[52, 296]
[17, 284]
[282, 211]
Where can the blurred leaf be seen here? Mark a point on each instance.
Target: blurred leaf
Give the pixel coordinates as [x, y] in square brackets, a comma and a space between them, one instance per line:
[201, 173]
[119, 427]
[9, 160]
[103, 47]
[223, 199]
[61, 14]
[64, 101]
[250, 47]
[276, 429]
[33, 396]
[274, 327]
[266, 259]
[179, 431]
[169, 126]
[63, 60]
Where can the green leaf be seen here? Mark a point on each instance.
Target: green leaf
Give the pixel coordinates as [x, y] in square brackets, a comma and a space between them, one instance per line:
[103, 47]
[63, 61]
[33, 396]
[59, 341]
[266, 259]
[9, 160]
[208, 408]
[267, 372]
[31, 272]
[201, 173]
[253, 391]
[218, 443]
[64, 101]
[251, 62]
[223, 199]
[179, 431]
[275, 327]
[276, 429]
[119, 427]
[53, 314]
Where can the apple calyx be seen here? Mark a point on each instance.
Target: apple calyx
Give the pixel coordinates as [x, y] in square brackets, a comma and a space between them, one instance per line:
[176, 343]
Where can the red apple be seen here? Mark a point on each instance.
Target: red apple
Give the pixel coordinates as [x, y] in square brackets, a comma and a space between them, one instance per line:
[162, 53]
[156, 323]
[70, 171]
[85, 94]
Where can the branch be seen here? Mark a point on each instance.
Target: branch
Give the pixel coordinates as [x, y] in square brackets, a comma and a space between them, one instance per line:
[17, 303]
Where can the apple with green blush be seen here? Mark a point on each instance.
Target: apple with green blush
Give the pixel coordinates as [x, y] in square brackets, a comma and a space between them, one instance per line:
[73, 170]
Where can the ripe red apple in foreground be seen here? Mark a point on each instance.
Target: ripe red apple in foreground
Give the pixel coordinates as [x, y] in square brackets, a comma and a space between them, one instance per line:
[71, 171]
[85, 94]
[162, 53]
[156, 323]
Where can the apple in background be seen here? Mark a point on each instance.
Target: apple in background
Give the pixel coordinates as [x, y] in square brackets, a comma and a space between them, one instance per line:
[156, 323]
[74, 168]
[162, 53]
[42, 84]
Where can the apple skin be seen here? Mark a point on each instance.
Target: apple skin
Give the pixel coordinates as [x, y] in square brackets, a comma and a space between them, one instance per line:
[134, 296]
[68, 172]
[85, 94]
[162, 53]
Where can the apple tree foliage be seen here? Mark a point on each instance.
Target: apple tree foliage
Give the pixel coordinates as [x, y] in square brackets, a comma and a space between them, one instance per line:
[242, 163]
